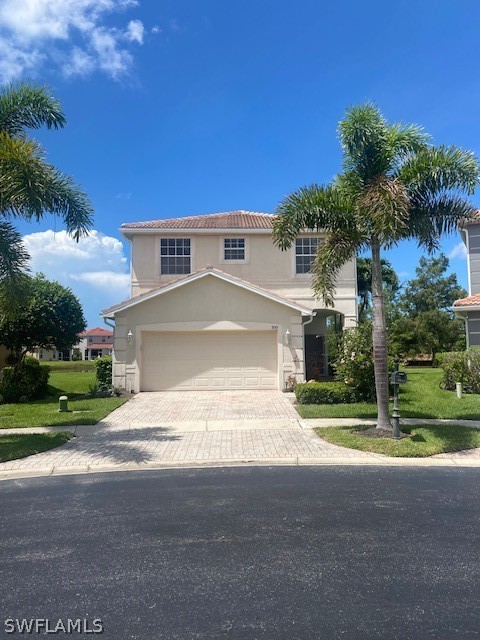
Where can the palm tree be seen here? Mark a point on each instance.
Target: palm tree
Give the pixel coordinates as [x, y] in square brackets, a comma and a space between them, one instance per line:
[30, 187]
[395, 185]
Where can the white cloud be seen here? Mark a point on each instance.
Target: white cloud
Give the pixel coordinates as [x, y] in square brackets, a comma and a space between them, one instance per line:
[95, 268]
[458, 251]
[135, 31]
[105, 280]
[74, 32]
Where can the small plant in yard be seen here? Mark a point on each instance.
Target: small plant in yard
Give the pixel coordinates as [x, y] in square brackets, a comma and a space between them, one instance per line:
[93, 389]
[103, 372]
[462, 366]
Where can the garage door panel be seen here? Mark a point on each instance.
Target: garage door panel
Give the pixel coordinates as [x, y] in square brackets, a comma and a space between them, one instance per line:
[209, 360]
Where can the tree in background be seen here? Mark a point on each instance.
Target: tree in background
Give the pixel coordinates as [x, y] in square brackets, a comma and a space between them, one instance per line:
[51, 317]
[30, 187]
[390, 279]
[395, 185]
[425, 322]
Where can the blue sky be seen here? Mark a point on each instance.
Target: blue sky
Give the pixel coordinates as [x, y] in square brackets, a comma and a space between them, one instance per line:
[188, 107]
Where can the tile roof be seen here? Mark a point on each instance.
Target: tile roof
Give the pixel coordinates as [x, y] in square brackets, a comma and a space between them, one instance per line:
[470, 301]
[96, 331]
[475, 219]
[227, 220]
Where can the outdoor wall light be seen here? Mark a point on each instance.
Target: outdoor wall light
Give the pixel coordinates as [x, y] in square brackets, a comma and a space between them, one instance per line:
[129, 336]
[287, 336]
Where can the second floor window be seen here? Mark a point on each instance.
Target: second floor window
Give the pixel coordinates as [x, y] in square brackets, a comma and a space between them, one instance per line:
[174, 256]
[305, 253]
[234, 249]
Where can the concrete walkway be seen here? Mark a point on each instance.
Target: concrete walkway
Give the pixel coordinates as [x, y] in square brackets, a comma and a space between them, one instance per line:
[232, 428]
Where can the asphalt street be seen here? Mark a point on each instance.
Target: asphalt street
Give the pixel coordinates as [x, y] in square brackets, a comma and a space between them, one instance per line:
[246, 553]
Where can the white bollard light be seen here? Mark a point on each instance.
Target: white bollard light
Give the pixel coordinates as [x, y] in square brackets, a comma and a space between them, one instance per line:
[459, 389]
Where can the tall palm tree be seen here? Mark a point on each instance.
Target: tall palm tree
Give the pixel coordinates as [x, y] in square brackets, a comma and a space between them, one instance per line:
[30, 187]
[395, 185]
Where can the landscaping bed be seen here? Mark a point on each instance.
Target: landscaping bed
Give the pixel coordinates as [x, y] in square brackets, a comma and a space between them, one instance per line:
[14, 446]
[417, 442]
[421, 397]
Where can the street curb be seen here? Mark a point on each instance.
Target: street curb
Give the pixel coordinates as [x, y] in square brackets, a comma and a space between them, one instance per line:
[373, 461]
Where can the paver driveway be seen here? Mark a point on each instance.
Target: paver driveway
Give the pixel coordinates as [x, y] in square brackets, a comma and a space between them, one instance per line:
[178, 428]
[203, 408]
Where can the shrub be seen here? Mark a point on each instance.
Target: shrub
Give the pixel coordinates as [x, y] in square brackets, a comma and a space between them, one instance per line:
[29, 379]
[464, 367]
[103, 372]
[352, 359]
[326, 393]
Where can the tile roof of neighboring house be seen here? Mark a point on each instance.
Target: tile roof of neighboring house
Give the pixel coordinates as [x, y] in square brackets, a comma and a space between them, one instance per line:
[476, 218]
[96, 331]
[102, 345]
[470, 301]
[227, 220]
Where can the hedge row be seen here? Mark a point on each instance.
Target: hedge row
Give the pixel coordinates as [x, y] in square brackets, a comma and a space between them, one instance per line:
[326, 393]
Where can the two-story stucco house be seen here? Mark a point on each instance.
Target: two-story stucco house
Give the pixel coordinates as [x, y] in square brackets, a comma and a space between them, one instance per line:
[215, 305]
[469, 308]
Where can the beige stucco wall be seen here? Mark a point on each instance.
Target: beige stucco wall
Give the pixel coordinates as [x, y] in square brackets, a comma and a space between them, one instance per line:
[208, 304]
[266, 265]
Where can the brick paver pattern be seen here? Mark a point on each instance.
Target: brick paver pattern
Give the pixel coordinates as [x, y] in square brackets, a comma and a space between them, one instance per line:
[139, 434]
[151, 408]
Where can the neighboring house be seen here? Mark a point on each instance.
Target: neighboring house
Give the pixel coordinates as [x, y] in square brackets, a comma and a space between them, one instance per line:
[49, 355]
[469, 308]
[215, 305]
[95, 343]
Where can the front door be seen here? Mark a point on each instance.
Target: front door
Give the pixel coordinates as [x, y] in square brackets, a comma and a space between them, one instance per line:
[315, 360]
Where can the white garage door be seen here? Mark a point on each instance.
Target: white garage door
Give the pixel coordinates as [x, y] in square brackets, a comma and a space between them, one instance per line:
[209, 360]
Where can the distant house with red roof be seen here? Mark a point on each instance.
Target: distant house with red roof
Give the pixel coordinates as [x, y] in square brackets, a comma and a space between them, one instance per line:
[95, 343]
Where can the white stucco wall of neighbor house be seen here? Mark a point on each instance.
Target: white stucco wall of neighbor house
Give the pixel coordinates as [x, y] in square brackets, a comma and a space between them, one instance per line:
[212, 305]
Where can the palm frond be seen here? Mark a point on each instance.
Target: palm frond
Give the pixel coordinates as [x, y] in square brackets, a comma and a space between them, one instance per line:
[314, 207]
[364, 136]
[433, 217]
[13, 255]
[406, 139]
[333, 253]
[29, 106]
[31, 187]
[438, 169]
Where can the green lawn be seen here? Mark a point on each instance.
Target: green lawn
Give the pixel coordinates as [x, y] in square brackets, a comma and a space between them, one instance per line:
[22, 445]
[425, 440]
[421, 397]
[44, 413]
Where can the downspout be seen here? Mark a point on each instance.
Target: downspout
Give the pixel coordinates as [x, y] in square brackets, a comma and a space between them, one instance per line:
[314, 313]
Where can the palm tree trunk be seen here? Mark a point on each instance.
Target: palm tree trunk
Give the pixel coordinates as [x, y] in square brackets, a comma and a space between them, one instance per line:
[380, 357]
